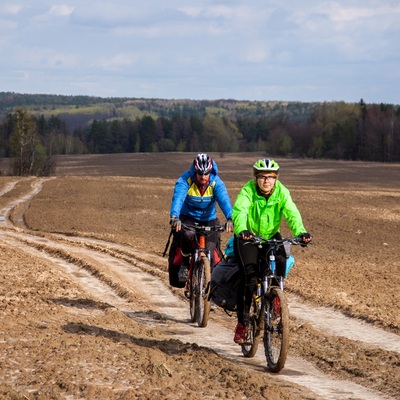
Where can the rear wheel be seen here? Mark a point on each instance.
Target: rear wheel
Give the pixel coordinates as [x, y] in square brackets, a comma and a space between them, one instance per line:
[276, 330]
[203, 274]
[192, 296]
[256, 325]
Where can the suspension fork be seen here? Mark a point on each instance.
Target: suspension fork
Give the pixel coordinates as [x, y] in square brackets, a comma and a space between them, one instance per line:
[281, 283]
[265, 284]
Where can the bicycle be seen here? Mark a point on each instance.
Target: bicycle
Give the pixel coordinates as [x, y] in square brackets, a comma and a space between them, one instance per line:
[198, 283]
[269, 311]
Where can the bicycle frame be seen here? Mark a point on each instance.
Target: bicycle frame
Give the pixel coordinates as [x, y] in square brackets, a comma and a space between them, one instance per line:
[269, 311]
[200, 275]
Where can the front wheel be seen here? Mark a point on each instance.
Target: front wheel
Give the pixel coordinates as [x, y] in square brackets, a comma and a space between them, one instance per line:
[192, 296]
[203, 277]
[276, 330]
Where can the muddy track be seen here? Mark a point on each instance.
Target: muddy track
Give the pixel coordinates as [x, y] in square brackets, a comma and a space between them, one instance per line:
[135, 282]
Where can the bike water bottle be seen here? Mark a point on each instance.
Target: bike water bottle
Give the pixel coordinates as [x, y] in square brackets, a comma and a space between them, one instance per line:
[272, 262]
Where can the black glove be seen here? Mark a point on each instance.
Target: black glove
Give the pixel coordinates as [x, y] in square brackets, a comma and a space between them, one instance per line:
[306, 238]
[175, 223]
[229, 225]
[246, 234]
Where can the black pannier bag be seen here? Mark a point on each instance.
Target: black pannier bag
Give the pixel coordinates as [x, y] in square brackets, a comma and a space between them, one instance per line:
[175, 261]
[225, 280]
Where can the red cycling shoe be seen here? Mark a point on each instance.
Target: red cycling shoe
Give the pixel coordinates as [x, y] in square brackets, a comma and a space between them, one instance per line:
[240, 334]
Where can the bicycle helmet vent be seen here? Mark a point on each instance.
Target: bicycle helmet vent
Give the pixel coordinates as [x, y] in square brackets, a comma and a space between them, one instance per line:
[202, 163]
[265, 165]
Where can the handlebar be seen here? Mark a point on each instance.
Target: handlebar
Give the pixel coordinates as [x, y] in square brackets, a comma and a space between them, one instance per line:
[204, 228]
[259, 241]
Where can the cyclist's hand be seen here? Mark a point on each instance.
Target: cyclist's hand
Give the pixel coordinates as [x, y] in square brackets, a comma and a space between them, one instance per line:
[246, 234]
[305, 238]
[229, 225]
[176, 223]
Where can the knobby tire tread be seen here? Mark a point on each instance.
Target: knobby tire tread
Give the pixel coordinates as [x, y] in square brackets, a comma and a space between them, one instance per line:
[277, 365]
[192, 298]
[203, 304]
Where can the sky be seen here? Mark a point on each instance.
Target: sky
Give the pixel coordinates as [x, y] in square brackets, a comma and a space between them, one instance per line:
[256, 50]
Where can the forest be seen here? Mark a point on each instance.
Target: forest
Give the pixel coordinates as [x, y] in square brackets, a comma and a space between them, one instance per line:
[34, 128]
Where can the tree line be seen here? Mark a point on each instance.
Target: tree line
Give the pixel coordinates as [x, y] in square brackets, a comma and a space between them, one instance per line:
[332, 130]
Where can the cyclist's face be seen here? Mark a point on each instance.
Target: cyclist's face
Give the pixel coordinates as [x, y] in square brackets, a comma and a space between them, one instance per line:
[203, 179]
[266, 181]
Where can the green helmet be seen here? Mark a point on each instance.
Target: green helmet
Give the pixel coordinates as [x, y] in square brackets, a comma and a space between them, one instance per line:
[265, 165]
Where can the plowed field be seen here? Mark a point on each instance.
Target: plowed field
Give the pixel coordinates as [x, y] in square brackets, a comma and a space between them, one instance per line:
[87, 313]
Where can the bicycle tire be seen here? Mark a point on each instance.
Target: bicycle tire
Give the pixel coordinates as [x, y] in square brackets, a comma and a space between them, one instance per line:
[203, 274]
[249, 349]
[276, 330]
[192, 297]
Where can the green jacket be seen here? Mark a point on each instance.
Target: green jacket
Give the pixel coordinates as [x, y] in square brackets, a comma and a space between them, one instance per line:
[263, 217]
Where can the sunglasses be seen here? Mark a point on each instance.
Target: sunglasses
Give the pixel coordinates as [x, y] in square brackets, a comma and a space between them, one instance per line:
[201, 173]
[265, 178]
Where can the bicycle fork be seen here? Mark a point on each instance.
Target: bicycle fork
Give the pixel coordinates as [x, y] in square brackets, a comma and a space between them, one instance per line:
[199, 252]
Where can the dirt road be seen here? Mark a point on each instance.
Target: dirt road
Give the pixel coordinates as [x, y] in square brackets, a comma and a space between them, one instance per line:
[87, 313]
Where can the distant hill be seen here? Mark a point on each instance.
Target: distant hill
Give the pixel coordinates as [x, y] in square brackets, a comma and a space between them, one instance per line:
[81, 110]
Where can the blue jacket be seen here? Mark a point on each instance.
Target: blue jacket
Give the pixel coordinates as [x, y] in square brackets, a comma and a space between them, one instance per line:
[187, 199]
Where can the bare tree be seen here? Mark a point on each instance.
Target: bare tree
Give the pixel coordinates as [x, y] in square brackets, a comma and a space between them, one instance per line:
[26, 147]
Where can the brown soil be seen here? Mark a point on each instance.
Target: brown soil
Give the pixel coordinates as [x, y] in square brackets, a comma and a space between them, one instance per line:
[87, 313]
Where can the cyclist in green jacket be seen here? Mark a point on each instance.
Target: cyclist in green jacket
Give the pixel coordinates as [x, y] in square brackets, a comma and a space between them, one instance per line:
[258, 210]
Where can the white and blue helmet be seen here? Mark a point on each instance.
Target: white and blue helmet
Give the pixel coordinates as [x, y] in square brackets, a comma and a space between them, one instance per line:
[202, 163]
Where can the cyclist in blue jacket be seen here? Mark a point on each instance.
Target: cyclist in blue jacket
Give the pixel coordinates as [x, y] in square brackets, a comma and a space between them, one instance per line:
[195, 196]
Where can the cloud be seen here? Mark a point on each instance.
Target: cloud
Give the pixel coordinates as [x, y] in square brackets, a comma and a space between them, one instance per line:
[11, 9]
[61, 10]
[45, 58]
[256, 53]
[343, 13]
[110, 15]
[208, 49]
[117, 62]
